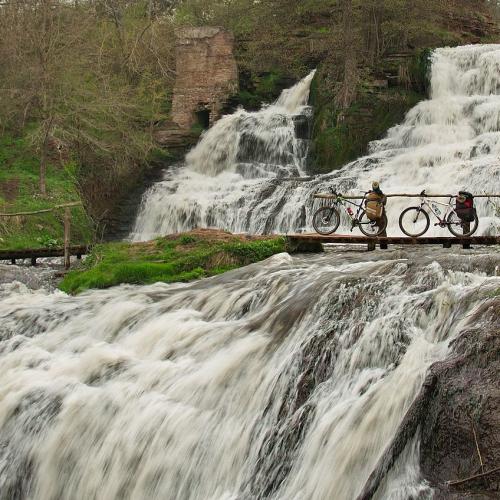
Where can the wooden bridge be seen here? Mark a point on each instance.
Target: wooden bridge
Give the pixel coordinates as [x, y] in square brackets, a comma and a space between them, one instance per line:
[312, 242]
[295, 243]
[38, 253]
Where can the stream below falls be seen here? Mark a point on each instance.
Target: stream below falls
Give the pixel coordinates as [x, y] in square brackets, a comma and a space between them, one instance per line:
[285, 379]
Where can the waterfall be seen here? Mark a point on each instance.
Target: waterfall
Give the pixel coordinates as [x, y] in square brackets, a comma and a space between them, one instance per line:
[242, 175]
[282, 380]
[233, 170]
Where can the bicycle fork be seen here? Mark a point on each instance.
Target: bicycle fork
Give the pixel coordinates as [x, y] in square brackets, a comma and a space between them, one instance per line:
[418, 213]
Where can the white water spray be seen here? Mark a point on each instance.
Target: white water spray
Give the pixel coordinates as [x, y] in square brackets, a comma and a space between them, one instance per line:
[283, 380]
[232, 170]
[448, 143]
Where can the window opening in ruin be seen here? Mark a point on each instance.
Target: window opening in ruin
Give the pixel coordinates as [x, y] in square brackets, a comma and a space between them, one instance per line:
[203, 118]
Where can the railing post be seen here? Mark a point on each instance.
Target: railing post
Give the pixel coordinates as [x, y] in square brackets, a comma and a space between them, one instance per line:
[466, 229]
[383, 244]
[67, 228]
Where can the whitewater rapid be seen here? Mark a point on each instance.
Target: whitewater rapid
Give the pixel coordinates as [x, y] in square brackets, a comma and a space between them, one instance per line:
[282, 380]
[242, 175]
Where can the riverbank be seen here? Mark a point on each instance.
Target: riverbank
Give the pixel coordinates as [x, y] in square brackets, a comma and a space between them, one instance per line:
[180, 257]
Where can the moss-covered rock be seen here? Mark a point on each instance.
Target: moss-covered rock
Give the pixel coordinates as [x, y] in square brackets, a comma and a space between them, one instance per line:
[384, 95]
[258, 88]
[180, 257]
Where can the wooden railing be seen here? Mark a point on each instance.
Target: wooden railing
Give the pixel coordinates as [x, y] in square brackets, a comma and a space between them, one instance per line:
[67, 224]
[329, 196]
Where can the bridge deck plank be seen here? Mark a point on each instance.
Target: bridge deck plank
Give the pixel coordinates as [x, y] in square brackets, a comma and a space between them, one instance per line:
[394, 240]
[36, 253]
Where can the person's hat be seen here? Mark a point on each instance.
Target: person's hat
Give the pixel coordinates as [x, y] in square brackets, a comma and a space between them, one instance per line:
[375, 185]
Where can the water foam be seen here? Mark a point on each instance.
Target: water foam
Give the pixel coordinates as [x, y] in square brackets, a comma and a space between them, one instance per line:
[283, 380]
[448, 143]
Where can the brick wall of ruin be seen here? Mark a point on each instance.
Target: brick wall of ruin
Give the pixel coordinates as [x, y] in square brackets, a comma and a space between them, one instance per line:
[206, 73]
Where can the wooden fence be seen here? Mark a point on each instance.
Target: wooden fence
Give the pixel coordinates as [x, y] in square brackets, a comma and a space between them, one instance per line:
[330, 196]
[67, 224]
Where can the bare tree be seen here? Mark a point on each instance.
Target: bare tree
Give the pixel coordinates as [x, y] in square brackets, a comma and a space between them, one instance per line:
[350, 45]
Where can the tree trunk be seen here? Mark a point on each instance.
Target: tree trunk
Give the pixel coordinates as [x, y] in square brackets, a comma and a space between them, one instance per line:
[44, 156]
[67, 225]
[43, 171]
[347, 91]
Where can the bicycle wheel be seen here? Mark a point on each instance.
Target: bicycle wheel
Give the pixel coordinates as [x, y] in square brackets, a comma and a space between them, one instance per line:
[326, 220]
[414, 221]
[459, 228]
[372, 228]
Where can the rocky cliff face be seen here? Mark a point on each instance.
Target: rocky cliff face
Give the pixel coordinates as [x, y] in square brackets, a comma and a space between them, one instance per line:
[383, 96]
[206, 75]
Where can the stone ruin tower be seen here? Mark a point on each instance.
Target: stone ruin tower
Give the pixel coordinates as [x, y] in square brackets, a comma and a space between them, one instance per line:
[206, 75]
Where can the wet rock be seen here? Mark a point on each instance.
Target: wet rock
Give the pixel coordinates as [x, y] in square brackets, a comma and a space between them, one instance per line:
[169, 135]
[466, 400]
[459, 398]
[302, 125]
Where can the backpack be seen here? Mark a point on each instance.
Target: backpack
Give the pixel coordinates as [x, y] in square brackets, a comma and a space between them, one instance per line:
[374, 206]
[464, 206]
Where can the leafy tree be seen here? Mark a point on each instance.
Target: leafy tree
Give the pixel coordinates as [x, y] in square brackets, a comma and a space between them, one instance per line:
[93, 76]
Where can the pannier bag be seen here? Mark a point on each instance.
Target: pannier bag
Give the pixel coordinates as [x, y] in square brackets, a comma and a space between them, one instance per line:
[464, 206]
[374, 206]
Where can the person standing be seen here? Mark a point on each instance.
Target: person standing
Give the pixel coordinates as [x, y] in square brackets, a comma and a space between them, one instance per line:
[375, 202]
[375, 208]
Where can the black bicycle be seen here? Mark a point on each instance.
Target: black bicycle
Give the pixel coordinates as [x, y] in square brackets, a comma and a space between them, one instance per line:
[326, 220]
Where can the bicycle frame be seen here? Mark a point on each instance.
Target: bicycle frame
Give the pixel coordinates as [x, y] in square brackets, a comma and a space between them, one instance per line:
[431, 205]
[355, 218]
[324, 224]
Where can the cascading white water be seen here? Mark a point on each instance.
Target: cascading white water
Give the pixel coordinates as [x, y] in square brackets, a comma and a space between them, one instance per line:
[232, 170]
[283, 380]
[447, 143]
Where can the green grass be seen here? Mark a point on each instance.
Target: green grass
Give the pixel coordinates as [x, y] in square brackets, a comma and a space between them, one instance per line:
[19, 192]
[184, 258]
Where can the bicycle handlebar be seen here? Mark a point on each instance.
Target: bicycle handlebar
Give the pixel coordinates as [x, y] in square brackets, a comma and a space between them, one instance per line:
[423, 193]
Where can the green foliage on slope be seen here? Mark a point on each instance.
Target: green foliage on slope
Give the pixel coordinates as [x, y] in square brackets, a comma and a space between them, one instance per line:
[178, 258]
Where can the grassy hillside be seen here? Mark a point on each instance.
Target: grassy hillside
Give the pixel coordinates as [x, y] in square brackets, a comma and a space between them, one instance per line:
[19, 192]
